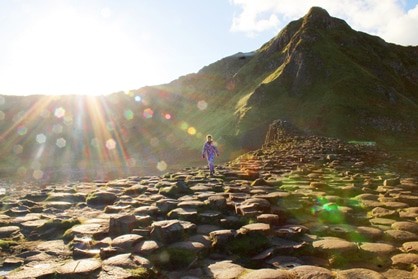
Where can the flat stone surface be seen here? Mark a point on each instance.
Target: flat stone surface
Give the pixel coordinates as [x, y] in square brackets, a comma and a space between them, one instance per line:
[225, 270]
[127, 242]
[405, 261]
[267, 273]
[406, 226]
[401, 236]
[85, 267]
[359, 273]
[379, 249]
[128, 261]
[8, 231]
[410, 247]
[39, 270]
[312, 272]
[334, 245]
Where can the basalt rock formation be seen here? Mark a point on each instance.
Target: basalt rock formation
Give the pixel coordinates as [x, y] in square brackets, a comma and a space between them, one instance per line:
[300, 207]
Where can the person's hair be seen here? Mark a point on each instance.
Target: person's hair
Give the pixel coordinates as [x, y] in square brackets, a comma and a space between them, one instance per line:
[208, 136]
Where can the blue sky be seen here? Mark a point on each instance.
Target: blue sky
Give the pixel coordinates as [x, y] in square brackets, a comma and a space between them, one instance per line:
[103, 46]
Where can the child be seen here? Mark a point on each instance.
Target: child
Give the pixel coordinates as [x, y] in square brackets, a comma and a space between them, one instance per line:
[209, 151]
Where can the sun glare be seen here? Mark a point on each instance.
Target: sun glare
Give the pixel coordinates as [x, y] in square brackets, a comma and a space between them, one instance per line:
[67, 52]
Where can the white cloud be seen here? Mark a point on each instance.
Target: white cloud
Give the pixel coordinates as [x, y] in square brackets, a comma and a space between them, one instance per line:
[388, 19]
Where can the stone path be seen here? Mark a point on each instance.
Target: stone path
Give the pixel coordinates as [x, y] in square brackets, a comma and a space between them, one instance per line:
[300, 207]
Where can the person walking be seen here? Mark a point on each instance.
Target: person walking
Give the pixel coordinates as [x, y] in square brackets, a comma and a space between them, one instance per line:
[209, 152]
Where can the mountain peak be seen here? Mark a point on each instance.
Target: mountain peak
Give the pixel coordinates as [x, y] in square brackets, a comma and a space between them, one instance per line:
[317, 12]
[318, 17]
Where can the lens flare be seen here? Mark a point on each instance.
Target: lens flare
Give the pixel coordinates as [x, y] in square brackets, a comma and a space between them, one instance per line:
[167, 116]
[110, 144]
[59, 112]
[138, 99]
[38, 174]
[161, 165]
[184, 125]
[202, 105]
[61, 142]
[22, 130]
[40, 138]
[191, 131]
[148, 113]
[129, 115]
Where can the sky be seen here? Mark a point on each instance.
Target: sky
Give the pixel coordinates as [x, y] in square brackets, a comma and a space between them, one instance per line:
[98, 47]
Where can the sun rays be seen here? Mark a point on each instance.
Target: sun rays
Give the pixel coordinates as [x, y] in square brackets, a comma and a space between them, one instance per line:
[85, 137]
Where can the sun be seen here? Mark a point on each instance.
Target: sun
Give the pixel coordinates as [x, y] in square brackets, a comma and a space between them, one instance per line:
[68, 52]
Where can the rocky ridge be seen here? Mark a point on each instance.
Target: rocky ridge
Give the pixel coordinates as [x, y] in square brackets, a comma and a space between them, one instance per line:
[300, 207]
